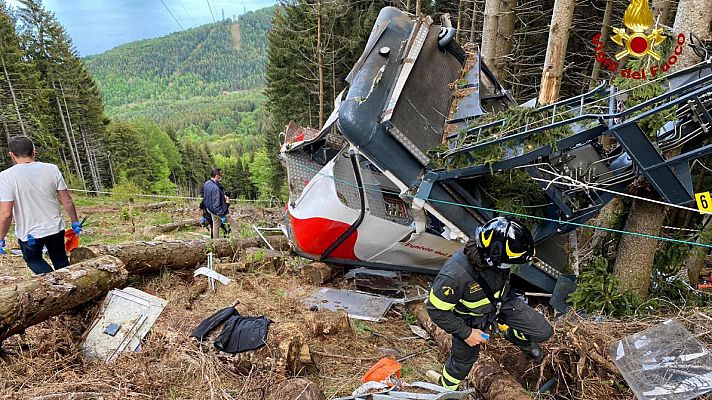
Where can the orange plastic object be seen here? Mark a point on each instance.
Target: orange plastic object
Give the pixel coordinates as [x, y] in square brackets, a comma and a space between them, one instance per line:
[71, 240]
[384, 368]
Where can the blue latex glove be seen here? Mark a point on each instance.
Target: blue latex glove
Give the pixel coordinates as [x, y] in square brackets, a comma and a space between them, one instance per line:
[3, 244]
[485, 336]
[203, 220]
[223, 220]
[30, 240]
[77, 227]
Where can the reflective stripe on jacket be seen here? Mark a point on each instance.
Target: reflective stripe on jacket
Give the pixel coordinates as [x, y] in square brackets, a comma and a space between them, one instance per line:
[455, 296]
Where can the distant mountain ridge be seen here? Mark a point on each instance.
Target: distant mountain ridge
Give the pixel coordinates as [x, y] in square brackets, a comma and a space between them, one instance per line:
[221, 57]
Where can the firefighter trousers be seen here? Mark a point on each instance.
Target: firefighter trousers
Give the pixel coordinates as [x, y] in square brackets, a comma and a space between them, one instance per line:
[526, 323]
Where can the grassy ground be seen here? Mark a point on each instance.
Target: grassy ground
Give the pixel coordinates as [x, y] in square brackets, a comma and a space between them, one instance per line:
[45, 362]
[46, 359]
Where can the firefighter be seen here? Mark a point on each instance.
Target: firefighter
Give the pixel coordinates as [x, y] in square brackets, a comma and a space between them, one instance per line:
[471, 296]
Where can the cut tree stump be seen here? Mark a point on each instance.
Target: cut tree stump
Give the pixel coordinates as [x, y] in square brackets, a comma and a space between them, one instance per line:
[26, 302]
[147, 257]
[317, 273]
[297, 389]
[325, 322]
[487, 376]
[286, 353]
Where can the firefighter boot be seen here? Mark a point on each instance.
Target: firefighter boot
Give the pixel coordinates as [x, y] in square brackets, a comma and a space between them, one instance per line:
[531, 349]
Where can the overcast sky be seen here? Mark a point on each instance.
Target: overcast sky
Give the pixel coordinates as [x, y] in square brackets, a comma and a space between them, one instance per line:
[98, 25]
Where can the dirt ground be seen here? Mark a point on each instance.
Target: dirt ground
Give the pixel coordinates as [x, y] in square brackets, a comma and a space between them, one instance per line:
[45, 362]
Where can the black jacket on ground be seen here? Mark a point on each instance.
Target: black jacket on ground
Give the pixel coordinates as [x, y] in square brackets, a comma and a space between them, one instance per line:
[457, 302]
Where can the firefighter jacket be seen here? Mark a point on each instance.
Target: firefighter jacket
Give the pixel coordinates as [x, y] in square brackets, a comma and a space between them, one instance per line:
[456, 301]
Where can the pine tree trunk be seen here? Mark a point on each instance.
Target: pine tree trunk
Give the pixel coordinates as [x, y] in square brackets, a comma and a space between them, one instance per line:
[66, 131]
[26, 302]
[490, 29]
[693, 16]
[146, 257]
[473, 21]
[596, 74]
[507, 23]
[12, 93]
[458, 35]
[551, 77]
[320, 61]
[636, 255]
[418, 10]
[491, 381]
[661, 11]
[74, 139]
[635, 258]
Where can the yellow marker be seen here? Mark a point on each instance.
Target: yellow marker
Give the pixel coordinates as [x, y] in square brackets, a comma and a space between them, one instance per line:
[704, 202]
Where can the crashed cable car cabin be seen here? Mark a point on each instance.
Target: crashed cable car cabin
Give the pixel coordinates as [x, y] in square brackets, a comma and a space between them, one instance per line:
[394, 179]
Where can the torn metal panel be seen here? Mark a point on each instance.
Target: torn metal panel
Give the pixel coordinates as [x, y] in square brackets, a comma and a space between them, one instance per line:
[125, 318]
[664, 362]
[358, 305]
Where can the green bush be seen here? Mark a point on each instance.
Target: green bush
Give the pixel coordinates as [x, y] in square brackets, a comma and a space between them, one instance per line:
[597, 291]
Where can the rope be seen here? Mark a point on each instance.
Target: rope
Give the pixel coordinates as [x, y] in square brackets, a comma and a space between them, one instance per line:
[515, 214]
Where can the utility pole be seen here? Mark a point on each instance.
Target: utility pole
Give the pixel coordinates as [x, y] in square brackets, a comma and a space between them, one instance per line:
[12, 92]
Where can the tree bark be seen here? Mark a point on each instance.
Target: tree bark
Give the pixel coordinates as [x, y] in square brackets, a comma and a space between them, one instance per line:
[490, 29]
[551, 77]
[156, 206]
[317, 273]
[26, 302]
[487, 376]
[12, 93]
[635, 257]
[693, 16]
[507, 23]
[605, 27]
[174, 226]
[286, 353]
[320, 63]
[325, 322]
[147, 257]
[661, 11]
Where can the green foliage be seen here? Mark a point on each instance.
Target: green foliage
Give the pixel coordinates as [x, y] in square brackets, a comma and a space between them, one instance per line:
[641, 93]
[597, 291]
[665, 285]
[514, 191]
[225, 56]
[262, 173]
[410, 318]
[124, 189]
[507, 122]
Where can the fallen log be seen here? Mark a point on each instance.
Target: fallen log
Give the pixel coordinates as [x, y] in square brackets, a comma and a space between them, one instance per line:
[156, 206]
[487, 376]
[173, 226]
[286, 353]
[146, 257]
[26, 302]
[296, 388]
[317, 273]
[325, 322]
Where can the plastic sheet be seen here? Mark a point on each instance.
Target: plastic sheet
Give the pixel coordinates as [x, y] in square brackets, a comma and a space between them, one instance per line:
[665, 362]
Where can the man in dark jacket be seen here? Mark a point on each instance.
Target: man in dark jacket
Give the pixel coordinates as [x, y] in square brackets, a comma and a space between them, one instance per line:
[470, 296]
[216, 202]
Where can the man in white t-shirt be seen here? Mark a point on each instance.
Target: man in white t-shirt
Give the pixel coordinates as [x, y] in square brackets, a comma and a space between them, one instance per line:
[31, 192]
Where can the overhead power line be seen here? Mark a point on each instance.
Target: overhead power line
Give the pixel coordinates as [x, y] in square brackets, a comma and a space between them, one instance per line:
[188, 13]
[171, 12]
[211, 10]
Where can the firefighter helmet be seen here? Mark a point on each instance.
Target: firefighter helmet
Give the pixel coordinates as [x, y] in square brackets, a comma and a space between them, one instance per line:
[503, 242]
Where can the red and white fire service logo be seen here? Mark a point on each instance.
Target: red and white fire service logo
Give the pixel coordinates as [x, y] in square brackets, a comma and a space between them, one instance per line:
[639, 39]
